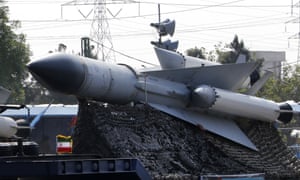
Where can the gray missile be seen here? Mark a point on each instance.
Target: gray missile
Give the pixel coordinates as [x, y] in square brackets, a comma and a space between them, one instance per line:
[198, 95]
[85, 77]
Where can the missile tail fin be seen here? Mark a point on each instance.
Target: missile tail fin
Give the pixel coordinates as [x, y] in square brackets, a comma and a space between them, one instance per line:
[222, 127]
[229, 76]
[241, 59]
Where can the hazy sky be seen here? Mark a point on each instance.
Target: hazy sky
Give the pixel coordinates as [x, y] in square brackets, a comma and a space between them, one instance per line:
[262, 24]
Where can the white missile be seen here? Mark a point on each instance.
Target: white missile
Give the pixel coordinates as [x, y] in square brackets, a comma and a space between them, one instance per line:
[242, 105]
[8, 127]
[184, 92]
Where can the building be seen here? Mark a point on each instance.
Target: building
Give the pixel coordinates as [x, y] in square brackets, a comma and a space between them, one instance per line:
[272, 60]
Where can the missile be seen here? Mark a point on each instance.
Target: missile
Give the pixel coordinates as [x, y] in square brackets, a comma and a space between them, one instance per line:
[8, 127]
[198, 95]
[242, 105]
[85, 78]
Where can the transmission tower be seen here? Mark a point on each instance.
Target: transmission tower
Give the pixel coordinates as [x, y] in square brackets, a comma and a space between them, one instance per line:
[100, 32]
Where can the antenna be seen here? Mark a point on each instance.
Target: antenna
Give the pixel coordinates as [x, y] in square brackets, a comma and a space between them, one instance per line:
[164, 28]
[159, 40]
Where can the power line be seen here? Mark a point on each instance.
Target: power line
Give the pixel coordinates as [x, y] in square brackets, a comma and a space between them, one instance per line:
[130, 33]
[142, 16]
[123, 54]
[201, 29]
[225, 5]
[297, 35]
[197, 29]
[32, 2]
[67, 3]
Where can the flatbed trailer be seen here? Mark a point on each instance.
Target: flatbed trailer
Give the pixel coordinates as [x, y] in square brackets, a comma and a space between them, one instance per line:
[71, 167]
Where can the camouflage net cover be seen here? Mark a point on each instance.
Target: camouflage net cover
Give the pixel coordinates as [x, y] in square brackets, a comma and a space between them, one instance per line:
[169, 147]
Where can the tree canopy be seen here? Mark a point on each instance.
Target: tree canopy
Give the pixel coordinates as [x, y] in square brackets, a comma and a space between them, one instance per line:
[236, 48]
[37, 94]
[196, 52]
[286, 88]
[14, 55]
[223, 53]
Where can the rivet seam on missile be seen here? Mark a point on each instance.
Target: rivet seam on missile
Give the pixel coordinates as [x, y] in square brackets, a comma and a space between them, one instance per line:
[216, 96]
[183, 57]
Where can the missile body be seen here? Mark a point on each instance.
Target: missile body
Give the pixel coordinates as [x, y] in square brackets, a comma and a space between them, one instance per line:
[97, 80]
[86, 78]
[107, 82]
[8, 127]
[121, 84]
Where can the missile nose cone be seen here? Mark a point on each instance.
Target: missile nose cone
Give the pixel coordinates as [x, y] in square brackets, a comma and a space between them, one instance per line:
[59, 72]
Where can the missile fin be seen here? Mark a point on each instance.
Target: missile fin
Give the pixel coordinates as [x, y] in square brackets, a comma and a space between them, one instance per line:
[228, 76]
[38, 117]
[223, 127]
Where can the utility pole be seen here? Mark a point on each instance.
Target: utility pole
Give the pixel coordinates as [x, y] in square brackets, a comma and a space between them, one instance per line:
[296, 20]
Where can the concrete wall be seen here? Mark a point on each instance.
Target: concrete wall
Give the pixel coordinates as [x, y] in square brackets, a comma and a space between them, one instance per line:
[272, 60]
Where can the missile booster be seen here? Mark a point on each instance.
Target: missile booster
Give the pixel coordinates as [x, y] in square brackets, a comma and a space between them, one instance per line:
[242, 105]
[185, 93]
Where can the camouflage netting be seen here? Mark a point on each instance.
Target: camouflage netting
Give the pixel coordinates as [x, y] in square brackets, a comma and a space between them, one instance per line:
[168, 147]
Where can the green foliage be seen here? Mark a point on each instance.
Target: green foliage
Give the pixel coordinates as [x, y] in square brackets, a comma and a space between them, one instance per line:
[196, 52]
[280, 90]
[37, 94]
[286, 88]
[224, 53]
[201, 53]
[14, 55]
[237, 47]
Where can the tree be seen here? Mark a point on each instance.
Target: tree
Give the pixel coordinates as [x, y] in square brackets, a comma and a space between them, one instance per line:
[196, 52]
[221, 53]
[237, 47]
[14, 55]
[286, 88]
[37, 94]
[280, 90]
